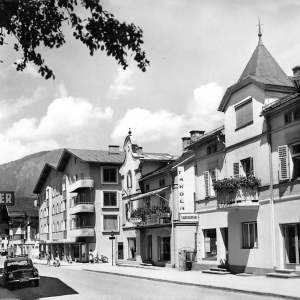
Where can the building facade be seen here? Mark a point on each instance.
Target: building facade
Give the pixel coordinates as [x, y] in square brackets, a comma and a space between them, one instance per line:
[79, 203]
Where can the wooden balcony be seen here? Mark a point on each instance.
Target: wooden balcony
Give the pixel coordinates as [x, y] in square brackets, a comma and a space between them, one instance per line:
[82, 183]
[243, 198]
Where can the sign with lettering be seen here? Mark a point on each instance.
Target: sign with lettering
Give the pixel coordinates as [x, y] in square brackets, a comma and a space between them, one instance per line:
[188, 217]
[180, 171]
[7, 198]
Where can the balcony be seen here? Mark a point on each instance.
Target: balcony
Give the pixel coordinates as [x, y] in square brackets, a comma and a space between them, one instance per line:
[82, 207]
[82, 183]
[242, 198]
[83, 231]
[152, 220]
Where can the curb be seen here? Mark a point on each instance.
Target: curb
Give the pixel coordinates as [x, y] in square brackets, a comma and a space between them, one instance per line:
[199, 285]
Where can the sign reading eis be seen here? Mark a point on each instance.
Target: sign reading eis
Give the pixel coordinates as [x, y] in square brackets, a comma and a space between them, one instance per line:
[7, 198]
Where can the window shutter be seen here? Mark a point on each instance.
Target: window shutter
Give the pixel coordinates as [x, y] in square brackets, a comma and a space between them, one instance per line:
[206, 182]
[244, 114]
[236, 169]
[251, 166]
[284, 173]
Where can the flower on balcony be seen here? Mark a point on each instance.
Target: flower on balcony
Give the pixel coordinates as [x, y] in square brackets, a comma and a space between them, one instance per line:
[143, 212]
[233, 183]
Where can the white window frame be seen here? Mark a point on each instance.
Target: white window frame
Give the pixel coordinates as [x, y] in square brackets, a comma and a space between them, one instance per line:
[110, 230]
[208, 187]
[111, 206]
[102, 175]
[246, 225]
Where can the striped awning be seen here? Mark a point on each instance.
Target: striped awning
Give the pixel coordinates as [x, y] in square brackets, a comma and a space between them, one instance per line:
[149, 194]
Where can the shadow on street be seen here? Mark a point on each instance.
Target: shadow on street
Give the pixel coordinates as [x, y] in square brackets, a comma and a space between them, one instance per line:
[49, 287]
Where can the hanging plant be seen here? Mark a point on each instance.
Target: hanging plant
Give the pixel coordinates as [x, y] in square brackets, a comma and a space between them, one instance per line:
[232, 183]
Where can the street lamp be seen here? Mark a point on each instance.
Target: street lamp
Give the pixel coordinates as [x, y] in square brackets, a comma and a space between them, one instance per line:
[112, 237]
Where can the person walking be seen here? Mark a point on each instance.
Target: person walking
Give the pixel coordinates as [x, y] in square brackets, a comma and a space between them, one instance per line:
[91, 256]
[48, 257]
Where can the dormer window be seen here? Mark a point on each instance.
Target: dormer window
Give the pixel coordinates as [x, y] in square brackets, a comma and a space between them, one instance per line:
[244, 114]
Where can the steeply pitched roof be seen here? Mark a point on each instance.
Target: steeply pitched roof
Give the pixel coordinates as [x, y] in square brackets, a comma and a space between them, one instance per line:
[261, 70]
[23, 207]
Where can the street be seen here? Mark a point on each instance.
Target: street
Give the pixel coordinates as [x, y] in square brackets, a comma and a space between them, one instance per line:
[74, 283]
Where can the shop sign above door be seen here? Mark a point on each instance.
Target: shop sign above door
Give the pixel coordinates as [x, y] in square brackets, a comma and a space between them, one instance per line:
[7, 198]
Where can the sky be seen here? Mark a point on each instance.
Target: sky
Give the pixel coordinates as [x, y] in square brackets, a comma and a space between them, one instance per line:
[197, 49]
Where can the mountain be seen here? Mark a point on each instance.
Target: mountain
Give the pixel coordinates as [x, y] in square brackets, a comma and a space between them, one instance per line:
[21, 175]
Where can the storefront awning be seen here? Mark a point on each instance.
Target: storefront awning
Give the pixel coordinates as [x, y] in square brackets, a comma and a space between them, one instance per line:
[148, 194]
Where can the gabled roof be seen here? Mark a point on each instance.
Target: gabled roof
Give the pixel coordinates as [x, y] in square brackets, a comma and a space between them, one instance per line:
[263, 71]
[92, 156]
[43, 176]
[23, 207]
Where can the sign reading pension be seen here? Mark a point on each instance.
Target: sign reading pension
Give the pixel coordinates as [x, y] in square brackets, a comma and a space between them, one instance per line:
[181, 188]
[7, 198]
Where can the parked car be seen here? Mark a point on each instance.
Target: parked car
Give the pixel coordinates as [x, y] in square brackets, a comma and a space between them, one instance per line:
[19, 270]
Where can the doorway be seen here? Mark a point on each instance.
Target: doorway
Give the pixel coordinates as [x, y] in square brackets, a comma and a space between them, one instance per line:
[149, 247]
[291, 234]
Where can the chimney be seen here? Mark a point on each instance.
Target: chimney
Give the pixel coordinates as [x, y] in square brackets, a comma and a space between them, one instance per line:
[113, 149]
[296, 77]
[139, 150]
[186, 141]
[196, 135]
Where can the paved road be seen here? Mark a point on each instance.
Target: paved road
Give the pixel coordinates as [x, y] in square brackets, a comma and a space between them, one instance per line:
[73, 283]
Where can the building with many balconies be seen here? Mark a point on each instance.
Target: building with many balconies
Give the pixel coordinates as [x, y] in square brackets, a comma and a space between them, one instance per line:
[79, 202]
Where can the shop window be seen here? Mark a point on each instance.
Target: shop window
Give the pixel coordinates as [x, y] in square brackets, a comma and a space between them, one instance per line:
[244, 114]
[110, 223]
[164, 249]
[109, 199]
[250, 235]
[210, 244]
[109, 175]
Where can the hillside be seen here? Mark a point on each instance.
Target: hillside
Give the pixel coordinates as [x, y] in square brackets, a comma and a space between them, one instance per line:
[21, 175]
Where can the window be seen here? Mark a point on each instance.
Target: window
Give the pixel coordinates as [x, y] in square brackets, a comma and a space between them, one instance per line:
[64, 185]
[209, 176]
[244, 114]
[131, 248]
[82, 175]
[129, 180]
[147, 187]
[109, 175]
[288, 118]
[57, 208]
[110, 223]
[162, 182]
[296, 160]
[250, 235]
[210, 244]
[163, 202]
[212, 149]
[297, 115]
[47, 194]
[243, 168]
[109, 198]
[147, 202]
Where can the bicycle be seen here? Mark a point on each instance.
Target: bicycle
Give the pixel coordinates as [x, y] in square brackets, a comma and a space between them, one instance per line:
[102, 259]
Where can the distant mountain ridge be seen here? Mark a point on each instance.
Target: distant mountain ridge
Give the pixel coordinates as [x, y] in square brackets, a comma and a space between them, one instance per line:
[21, 175]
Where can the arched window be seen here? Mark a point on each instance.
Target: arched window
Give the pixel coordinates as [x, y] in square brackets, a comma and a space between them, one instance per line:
[129, 180]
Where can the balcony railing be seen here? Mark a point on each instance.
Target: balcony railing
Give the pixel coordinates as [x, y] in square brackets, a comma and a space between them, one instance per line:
[153, 219]
[82, 207]
[242, 198]
[82, 183]
[82, 231]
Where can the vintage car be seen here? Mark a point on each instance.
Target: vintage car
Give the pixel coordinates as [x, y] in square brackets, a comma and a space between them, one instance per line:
[19, 270]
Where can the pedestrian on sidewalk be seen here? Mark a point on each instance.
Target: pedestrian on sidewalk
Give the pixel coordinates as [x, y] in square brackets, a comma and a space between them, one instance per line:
[48, 257]
[91, 256]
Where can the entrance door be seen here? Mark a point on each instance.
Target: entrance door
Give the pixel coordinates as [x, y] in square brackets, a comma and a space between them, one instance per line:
[149, 247]
[291, 245]
[120, 251]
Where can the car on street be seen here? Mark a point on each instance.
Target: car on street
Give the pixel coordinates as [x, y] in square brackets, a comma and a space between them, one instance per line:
[18, 270]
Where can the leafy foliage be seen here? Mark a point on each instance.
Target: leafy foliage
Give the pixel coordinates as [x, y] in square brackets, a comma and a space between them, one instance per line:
[235, 183]
[142, 212]
[39, 22]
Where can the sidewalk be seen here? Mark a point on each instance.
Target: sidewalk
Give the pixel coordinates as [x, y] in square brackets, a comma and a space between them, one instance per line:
[257, 285]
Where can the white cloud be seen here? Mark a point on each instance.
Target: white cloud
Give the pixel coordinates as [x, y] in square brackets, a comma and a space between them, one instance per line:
[121, 86]
[64, 117]
[165, 126]
[9, 108]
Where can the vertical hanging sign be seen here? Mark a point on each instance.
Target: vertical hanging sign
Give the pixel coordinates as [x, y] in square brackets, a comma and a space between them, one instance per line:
[181, 189]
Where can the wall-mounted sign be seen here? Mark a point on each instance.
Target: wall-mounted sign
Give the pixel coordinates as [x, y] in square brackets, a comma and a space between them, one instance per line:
[180, 171]
[7, 198]
[188, 217]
